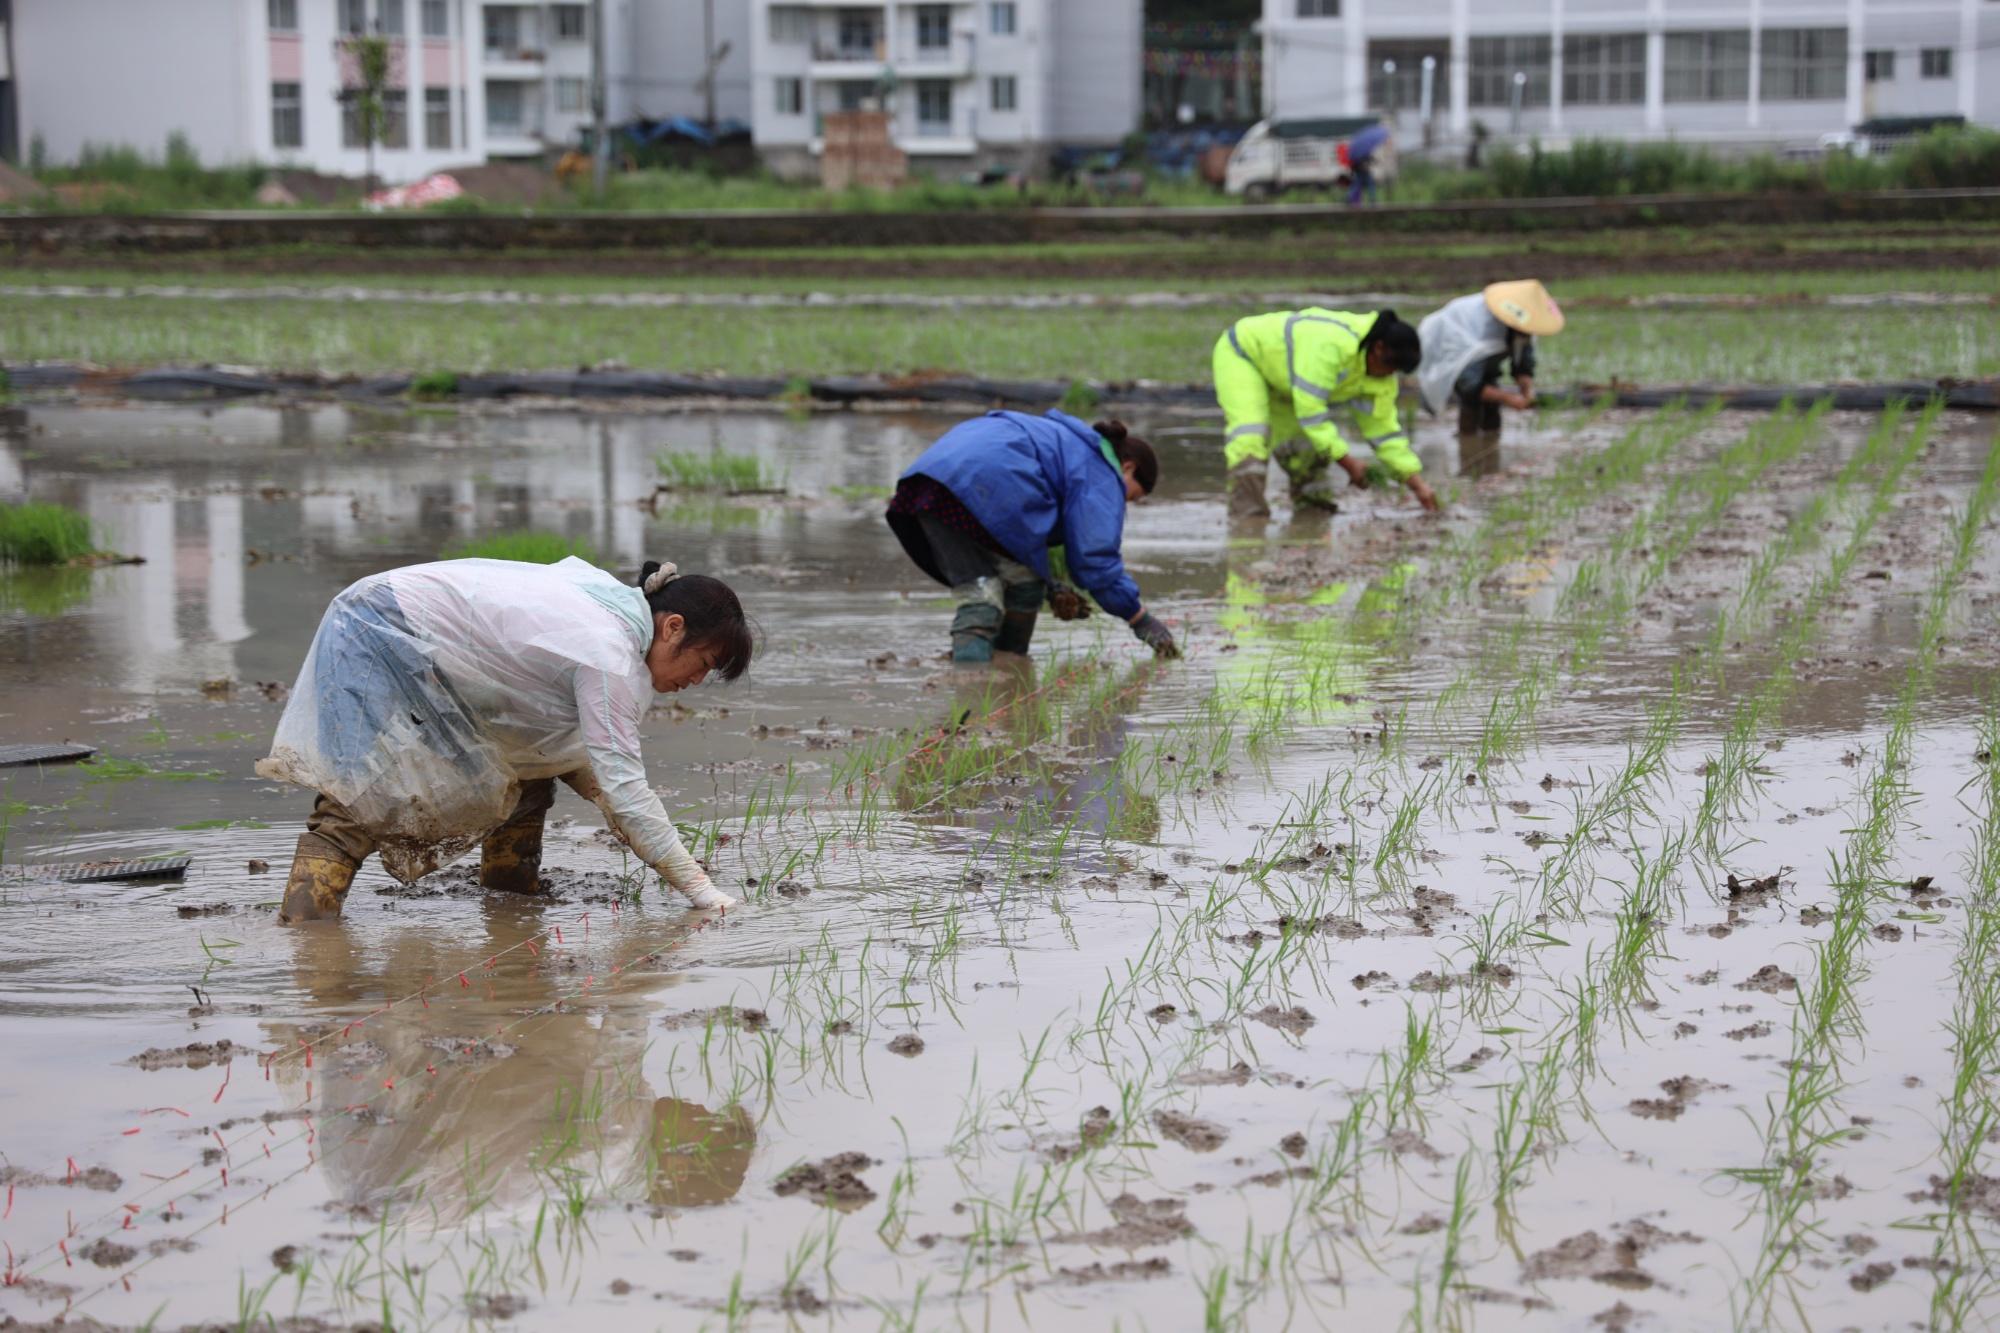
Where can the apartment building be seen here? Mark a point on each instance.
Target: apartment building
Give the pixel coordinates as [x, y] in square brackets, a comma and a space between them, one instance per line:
[973, 83]
[260, 80]
[1750, 72]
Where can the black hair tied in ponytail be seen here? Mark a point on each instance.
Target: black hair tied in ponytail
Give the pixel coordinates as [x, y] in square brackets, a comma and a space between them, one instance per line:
[713, 616]
[1131, 449]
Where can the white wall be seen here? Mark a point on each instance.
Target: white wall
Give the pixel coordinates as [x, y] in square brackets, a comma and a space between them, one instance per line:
[659, 74]
[133, 72]
[1099, 86]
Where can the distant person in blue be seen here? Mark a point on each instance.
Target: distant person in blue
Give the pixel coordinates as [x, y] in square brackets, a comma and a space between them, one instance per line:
[1360, 154]
[979, 510]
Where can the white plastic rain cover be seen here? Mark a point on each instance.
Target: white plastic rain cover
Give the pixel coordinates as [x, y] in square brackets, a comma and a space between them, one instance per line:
[431, 692]
[1462, 332]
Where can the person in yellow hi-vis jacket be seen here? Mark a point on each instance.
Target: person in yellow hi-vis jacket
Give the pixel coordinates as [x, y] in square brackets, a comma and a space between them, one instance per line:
[1278, 379]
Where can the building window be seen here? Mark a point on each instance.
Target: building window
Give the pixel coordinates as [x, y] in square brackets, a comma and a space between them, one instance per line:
[1934, 62]
[1402, 88]
[571, 25]
[790, 25]
[1001, 18]
[933, 107]
[1878, 66]
[505, 109]
[395, 119]
[933, 27]
[789, 96]
[503, 31]
[857, 34]
[1006, 92]
[1495, 62]
[437, 117]
[856, 95]
[389, 17]
[1804, 64]
[1604, 69]
[1707, 66]
[1319, 9]
[350, 124]
[282, 15]
[572, 94]
[437, 18]
[352, 17]
[288, 128]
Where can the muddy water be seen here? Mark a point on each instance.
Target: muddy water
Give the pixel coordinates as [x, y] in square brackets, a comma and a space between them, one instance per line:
[504, 1123]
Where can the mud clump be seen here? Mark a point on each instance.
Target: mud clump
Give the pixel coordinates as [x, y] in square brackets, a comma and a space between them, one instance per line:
[497, 1308]
[1363, 980]
[1888, 930]
[1163, 1013]
[1680, 1093]
[194, 1055]
[106, 1253]
[832, 1181]
[1293, 1144]
[722, 1016]
[909, 1046]
[1138, 1222]
[1403, 1142]
[1235, 1076]
[471, 1050]
[100, 1178]
[1871, 1277]
[1614, 1262]
[1746, 1033]
[1294, 1021]
[1975, 1194]
[1752, 892]
[1196, 1135]
[1125, 1270]
[1769, 979]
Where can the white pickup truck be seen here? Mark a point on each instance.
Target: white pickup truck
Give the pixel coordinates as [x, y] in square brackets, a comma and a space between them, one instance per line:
[1280, 155]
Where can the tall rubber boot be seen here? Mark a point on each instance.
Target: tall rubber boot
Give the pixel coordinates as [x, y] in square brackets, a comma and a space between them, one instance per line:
[1246, 490]
[1023, 603]
[317, 886]
[1471, 416]
[510, 860]
[973, 630]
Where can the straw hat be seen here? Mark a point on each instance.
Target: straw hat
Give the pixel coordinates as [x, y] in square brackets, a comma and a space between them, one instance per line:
[1525, 306]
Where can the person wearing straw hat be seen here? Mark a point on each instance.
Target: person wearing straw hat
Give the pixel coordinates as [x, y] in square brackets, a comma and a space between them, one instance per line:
[1468, 340]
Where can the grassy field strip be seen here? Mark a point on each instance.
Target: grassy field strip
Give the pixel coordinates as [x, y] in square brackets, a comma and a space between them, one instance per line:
[1781, 345]
[1966, 1285]
[1829, 1021]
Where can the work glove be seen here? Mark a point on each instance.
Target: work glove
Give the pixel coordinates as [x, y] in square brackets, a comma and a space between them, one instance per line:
[1150, 630]
[1067, 603]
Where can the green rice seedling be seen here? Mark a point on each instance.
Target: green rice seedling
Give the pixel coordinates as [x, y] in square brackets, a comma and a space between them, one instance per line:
[434, 385]
[533, 548]
[728, 474]
[43, 534]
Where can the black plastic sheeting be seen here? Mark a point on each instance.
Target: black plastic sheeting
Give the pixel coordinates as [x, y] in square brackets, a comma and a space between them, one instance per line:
[200, 385]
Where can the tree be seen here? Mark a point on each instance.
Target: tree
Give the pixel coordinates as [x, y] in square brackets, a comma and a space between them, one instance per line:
[364, 89]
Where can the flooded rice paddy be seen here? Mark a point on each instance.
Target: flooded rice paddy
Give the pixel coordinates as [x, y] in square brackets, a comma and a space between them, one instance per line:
[1579, 912]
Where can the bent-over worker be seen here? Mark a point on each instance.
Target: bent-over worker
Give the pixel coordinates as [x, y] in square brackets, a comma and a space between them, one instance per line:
[1278, 379]
[979, 510]
[1469, 341]
[439, 703]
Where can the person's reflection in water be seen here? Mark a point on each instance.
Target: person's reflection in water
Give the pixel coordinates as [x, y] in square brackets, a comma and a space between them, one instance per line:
[495, 1094]
[1015, 742]
[1479, 454]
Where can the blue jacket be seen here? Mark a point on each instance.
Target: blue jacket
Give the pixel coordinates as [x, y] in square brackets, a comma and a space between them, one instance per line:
[1036, 482]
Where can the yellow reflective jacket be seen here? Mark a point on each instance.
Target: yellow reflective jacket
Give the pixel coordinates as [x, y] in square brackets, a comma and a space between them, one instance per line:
[1315, 356]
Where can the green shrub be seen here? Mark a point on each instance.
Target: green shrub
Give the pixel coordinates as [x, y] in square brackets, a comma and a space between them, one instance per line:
[1080, 399]
[534, 548]
[43, 534]
[434, 384]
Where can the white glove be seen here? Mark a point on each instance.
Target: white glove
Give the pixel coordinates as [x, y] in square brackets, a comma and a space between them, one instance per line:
[702, 895]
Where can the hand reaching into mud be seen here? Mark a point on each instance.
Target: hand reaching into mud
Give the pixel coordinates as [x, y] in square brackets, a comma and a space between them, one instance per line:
[1068, 603]
[1153, 632]
[1425, 495]
[1356, 470]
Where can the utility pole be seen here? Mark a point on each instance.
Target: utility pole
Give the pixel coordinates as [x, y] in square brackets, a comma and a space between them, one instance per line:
[600, 138]
[708, 59]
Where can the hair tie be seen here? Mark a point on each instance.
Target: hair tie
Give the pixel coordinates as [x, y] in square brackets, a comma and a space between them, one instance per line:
[659, 579]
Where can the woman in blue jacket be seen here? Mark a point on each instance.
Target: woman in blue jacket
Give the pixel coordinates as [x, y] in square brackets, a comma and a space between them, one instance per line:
[980, 509]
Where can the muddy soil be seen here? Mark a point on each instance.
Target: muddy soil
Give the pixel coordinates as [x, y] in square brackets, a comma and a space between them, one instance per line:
[1175, 988]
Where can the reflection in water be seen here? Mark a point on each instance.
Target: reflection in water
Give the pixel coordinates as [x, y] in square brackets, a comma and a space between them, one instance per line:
[1479, 454]
[497, 1094]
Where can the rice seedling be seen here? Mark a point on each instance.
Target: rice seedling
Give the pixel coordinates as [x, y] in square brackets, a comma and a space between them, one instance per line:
[725, 473]
[43, 534]
[533, 548]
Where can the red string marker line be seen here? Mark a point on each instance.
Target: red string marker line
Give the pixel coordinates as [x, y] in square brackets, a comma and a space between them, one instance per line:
[227, 1065]
[10, 1208]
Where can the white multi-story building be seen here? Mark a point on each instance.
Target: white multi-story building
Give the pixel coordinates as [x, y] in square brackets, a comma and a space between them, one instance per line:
[260, 80]
[1745, 71]
[973, 82]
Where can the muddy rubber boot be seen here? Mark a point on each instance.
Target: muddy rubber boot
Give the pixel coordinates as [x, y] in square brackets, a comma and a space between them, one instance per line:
[510, 860]
[1246, 490]
[1490, 419]
[1316, 494]
[1471, 416]
[1017, 623]
[317, 886]
[973, 630]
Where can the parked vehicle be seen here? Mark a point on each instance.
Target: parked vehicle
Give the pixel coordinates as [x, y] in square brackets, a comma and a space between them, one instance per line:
[1280, 155]
[1885, 134]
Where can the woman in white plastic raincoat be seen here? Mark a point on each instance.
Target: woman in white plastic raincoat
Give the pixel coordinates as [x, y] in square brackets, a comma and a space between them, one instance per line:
[439, 703]
[1466, 341]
